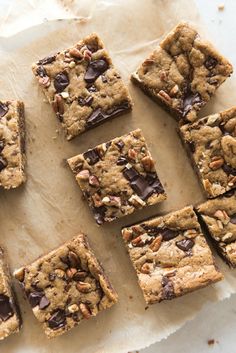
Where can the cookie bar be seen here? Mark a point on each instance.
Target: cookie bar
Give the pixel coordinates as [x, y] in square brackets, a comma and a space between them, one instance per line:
[10, 321]
[66, 286]
[118, 177]
[12, 144]
[183, 73]
[82, 86]
[211, 143]
[170, 255]
[219, 216]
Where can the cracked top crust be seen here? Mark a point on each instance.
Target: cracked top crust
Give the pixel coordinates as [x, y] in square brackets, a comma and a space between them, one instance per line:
[66, 286]
[12, 144]
[118, 177]
[170, 255]
[82, 86]
[212, 144]
[183, 72]
[219, 215]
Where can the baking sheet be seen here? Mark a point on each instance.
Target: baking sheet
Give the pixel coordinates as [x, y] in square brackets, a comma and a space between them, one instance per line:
[49, 209]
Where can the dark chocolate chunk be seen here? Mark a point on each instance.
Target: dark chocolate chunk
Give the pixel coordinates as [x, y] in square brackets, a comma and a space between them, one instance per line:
[228, 169]
[130, 174]
[141, 187]
[229, 193]
[233, 218]
[191, 146]
[3, 109]
[168, 234]
[120, 144]
[2, 144]
[121, 161]
[157, 186]
[185, 244]
[61, 81]
[41, 71]
[48, 60]
[3, 163]
[44, 303]
[99, 214]
[85, 101]
[91, 156]
[35, 297]
[92, 89]
[104, 79]
[168, 288]
[189, 100]
[210, 63]
[95, 69]
[6, 310]
[57, 320]
[97, 116]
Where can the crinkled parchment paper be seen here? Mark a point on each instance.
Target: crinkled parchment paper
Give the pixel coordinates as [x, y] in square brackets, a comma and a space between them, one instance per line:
[49, 209]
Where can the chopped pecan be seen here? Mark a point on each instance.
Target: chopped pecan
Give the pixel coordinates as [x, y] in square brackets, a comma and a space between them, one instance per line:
[57, 104]
[44, 81]
[83, 175]
[73, 308]
[70, 272]
[222, 216]
[165, 97]
[132, 154]
[96, 200]
[216, 163]
[148, 163]
[93, 181]
[85, 310]
[127, 234]
[83, 287]
[112, 201]
[155, 245]
[145, 268]
[137, 241]
[75, 53]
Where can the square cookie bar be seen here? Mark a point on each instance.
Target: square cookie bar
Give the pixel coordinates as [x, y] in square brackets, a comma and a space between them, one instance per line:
[211, 144]
[183, 73]
[66, 286]
[118, 177]
[82, 86]
[10, 321]
[12, 144]
[170, 255]
[219, 216]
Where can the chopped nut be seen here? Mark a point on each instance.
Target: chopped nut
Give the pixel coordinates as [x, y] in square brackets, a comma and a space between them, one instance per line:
[148, 62]
[112, 201]
[222, 216]
[80, 275]
[73, 259]
[163, 75]
[155, 245]
[227, 237]
[87, 55]
[75, 53]
[85, 310]
[216, 163]
[70, 272]
[64, 95]
[44, 81]
[127, 234]
[148, 163]
[60, 273]
[71, 64]
[136, 201]
[96, 200]
[145, 268]
[93, 181]
[73, 308]
[58, 104]
[132, 154]
[83, 287]
[20, 274]
[212, 119]
[232, 181]
[220, 224]
[137, 241]
[174, 90]
[190, 233]
[165, 97]
[83, 175]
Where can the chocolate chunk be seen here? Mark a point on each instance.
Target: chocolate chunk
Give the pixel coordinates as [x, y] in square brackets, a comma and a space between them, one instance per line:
[61, 81]
[85, 101]
[57, 320]
[92, 89]
[191, 146]
[229, 193]
[2, 144]
[91, 156]
[104, 79]
[157, 186]
[185, 244]
[141, 187]
[121, 161]
[48, 60]
[35, 298]
[6, 310]
[41, 71]
[99, 214]
[3, 109]
[95, 69]
[210, 63]
[44, 303]
[168, 234]
[168, 288]
[97, 116]
[3, 163]
[189, 100]
[120, 144]
[228, 169]
[233, 218]
[130, 173]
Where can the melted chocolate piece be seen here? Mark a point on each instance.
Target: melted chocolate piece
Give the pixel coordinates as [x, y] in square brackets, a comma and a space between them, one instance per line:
[229, 193]
[92, 89]
[3, 109]
[48, 60]
[130, 174]
[157, 186]
[168, 234]
[120, 144]
[210, 63]
[189, 100]
[3, 163]
[141, 187]
[6, 310]
[185, 244]
[61, 81]
[85, 101]
[91, 156]
[44, 303]
[41, 71]
[228, 169]
[57, 320]
[95, 69]
[121, 161]
[168, 288]
[35, 298]
[233, 218]
[97, 116]
[99, 214]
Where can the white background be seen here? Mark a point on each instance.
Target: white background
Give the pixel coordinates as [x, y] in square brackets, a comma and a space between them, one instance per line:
[216, 321]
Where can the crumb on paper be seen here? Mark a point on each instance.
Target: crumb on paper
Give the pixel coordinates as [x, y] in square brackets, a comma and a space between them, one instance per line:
[221, 7]
[211, 342]
[130, 297]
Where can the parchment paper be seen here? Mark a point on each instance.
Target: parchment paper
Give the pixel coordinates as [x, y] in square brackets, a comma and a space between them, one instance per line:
[49, 209]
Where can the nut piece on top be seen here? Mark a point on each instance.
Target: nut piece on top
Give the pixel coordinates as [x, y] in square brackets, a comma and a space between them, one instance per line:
[183, 72]
[82, 86]
[170, 255]
[219, 216]
[10, 321]
[118, 177]
[211, 143]
[66, 286]
[12, 144]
